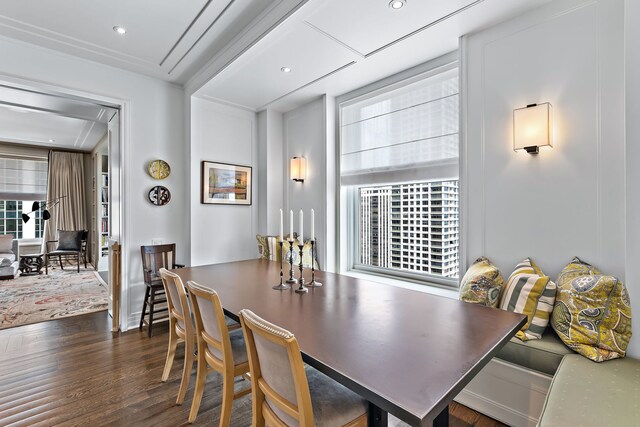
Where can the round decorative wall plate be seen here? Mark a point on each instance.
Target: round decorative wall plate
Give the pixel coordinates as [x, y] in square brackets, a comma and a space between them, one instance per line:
[159, 195]
[159, 169]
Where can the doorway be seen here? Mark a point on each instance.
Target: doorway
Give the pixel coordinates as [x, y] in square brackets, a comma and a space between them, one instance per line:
[96, 123]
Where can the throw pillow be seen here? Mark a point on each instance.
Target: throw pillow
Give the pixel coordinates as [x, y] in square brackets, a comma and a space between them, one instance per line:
[530, 292]
[6, 244]
[69, 240]
[592, 314]
[269, 249]
[482, 283]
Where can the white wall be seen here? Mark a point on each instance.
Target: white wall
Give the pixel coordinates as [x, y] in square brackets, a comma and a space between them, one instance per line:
[305, 135]
[632, 92]
[155, 129]
[219, 133]
[271, 171]
[568, 200]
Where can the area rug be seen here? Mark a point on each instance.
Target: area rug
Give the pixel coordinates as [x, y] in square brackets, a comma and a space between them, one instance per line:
[32, 299]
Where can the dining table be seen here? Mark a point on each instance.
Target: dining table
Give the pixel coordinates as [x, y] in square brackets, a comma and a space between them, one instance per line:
[407, 352]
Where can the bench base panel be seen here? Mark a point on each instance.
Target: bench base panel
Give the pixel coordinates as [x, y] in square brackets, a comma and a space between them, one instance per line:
[507, 393]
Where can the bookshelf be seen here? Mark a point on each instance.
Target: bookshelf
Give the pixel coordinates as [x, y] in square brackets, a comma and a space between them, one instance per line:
[102, 212]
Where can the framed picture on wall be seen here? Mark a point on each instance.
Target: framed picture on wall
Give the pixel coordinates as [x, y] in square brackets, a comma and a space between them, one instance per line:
[224, 184]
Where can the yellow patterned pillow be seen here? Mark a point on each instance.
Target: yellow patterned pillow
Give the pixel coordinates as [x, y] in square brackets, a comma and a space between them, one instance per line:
[269, 249]
[481, 283]
[530, 292]
[592, 314]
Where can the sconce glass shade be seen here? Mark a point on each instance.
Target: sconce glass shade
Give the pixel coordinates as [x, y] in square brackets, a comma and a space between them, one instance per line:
[298, 169]
[533, 127]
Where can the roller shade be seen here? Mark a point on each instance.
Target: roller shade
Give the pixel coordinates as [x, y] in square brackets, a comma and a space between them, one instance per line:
[23, 179]
[404, 134]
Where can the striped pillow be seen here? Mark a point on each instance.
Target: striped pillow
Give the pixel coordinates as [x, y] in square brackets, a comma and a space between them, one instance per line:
[528, 291]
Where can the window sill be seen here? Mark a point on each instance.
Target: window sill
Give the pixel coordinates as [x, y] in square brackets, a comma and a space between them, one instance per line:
[426, 288]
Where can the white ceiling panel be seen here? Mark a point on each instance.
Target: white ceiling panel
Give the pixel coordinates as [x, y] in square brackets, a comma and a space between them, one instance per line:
[367, 25]
[367, 31]
[167, 39]
[256, 79]
[152, 26]
[24, 126]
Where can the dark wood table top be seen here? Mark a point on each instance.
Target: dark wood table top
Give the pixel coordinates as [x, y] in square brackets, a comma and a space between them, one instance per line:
[408, 352]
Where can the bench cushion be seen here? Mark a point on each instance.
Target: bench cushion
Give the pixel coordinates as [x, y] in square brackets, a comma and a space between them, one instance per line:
[543, 355]
[584, 393]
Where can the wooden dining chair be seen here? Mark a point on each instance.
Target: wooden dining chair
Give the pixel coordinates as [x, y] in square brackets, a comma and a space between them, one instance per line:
[181, 329]
[285, 393]
[219, 349]
[155, 257]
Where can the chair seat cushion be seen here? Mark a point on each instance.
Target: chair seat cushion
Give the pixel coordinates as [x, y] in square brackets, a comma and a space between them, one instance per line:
[62, 252]
[584, 393]
[543, 355]
[333, 403]
[238, 348]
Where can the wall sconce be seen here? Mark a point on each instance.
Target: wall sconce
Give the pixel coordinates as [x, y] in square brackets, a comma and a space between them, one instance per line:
[533, 127]
[298, 168]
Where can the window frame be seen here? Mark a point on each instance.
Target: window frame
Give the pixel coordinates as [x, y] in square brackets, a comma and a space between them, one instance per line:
[348, 203]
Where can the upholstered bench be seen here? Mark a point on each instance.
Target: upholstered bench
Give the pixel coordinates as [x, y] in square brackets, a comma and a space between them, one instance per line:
[585, 393]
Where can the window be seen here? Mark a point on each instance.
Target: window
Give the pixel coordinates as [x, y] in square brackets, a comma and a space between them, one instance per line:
[399, 170]
[22, 181]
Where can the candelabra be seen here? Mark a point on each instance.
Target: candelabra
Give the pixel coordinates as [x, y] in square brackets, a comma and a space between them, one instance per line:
[314, 282]
[291, 279]
[281, 286]
[301, 288]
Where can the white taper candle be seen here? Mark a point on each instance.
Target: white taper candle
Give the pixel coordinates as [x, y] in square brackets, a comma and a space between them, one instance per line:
[281, 226]
[291, 224]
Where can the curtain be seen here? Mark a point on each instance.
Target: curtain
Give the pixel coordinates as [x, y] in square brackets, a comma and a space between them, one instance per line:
[66, 178]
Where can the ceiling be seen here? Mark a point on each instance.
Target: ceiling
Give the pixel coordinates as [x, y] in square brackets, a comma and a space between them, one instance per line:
[49, 120]
[167, 39]
[335, 46]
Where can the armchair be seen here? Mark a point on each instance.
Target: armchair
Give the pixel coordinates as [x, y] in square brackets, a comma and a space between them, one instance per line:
[70, 243]
[8, 257]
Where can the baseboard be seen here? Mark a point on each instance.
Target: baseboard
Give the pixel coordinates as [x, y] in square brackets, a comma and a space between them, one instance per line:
[508, 393]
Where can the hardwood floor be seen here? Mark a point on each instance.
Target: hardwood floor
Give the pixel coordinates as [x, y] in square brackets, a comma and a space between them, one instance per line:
[75, 372]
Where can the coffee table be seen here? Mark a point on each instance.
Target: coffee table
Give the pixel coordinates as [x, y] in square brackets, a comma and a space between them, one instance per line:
[31, 264]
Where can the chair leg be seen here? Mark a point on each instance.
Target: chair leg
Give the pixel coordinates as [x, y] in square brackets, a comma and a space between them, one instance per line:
[201, 379]
[186, 371]
[60, 261]
[227, 399]
[46, 264]
[171, 353]
[144, 307]
[78, 263]
[152, 303]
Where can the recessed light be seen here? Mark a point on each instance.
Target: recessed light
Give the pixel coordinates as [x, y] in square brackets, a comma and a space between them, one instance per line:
[52, 140]
[120, 30]
[285, 69]
[397, 4]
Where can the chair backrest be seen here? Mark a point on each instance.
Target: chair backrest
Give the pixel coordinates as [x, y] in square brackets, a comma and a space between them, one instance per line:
[277, 372]
[155, 257]
[70, 240]
[177, 300]
[211, 328]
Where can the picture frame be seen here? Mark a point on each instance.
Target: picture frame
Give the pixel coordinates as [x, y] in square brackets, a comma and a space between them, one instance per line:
[226, 184]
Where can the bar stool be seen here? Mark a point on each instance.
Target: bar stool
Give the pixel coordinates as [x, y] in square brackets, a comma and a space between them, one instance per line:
[154, 258]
